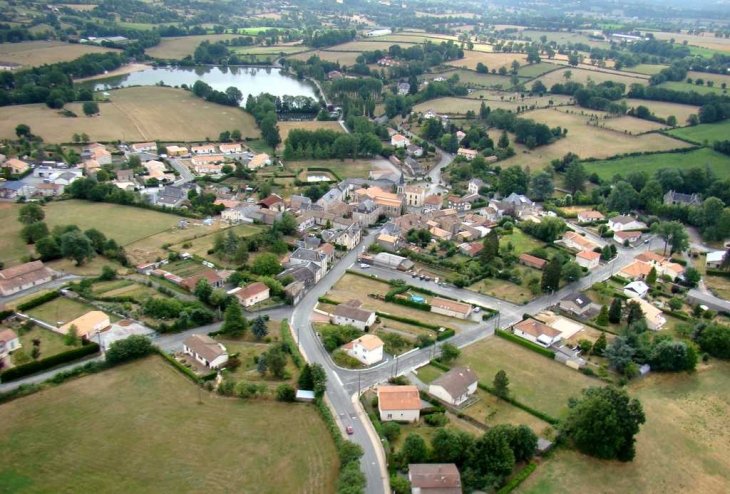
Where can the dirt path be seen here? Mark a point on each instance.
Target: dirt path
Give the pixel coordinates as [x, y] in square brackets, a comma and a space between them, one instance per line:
[132, 120]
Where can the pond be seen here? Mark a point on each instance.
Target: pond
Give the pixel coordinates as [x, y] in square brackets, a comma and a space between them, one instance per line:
[250, 80]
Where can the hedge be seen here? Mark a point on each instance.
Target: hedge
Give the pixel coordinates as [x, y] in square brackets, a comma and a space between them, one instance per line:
[323, 169]
[31, 304]
[681, 262]
[412, 304]
[518, 479]
[447, 333]
[441, 366]
[40, 365]
[679, 315]
[717, 272]
[4, 314]
[189, 373]
[408, 320]
[537, 413]
[527, 344]
[325, 300]
[366, 276]
[286, 335]
[334, 431]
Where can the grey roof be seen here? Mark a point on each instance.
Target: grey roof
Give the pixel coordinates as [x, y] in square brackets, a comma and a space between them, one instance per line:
[173, 192]
[299, 273]
[579, 299]
[456, 382]
[683, 198]
[366, 206]
[205, 346]
[307, 255]
[309, 242]
[14, 185]
[515, 198]
[344, 310]
[623, 219]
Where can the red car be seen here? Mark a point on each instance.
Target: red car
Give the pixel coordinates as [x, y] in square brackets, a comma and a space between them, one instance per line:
[350, 430]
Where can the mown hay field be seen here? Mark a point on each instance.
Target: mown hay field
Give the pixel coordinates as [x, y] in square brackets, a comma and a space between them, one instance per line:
[491, 60]
[178, 48]
[37, 53]
[584, 75]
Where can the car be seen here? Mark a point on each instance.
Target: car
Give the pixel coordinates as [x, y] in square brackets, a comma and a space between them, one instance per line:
[364, 266]
[350, 430]
[477, 310]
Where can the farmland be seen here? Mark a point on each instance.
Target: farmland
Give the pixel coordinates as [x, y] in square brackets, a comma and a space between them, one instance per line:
[687, 417]
[706, 132]
[583, 76]
[708, 40]
[149, 410]
[472, 78]
[348, 168]
[491, 60]
[683, 86]
[536, 69]
[286, 127]
[663, 109]
[459, 106]
[343, 57]
[646, 69]
[133, 114]
[12, 247]
[178, 48]
[717, 162]
[534, 380]
[37, 53]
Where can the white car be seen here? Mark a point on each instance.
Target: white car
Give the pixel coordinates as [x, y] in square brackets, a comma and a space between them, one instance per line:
[477, 310]
[364, 266]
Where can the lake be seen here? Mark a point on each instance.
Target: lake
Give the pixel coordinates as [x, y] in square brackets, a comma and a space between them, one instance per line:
[250, 80]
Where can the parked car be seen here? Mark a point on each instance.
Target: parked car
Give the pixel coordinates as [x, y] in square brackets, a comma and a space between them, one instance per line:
[364, 266]
[477, 310]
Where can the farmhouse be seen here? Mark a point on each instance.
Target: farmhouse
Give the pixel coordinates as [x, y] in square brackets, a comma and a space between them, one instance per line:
[434, 478]
[252, 294]
[588, 259]
[714, 259]
[16, 166]
[368, 349]
[532, 261]
[89, 324]
[24, 276]
[454, 387]
[631, 237]
[469, 154]
[347, 315]
[205, 350]
[623, 223]
[9, 342]
[578, 242]
[673, 197]
[590, 216]
[399, 403]
[636, 289]
[450, 308]
[536, 332]
[259, 161]
[576, 303]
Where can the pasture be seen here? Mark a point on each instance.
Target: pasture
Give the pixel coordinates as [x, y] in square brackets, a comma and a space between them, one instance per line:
[133, 114]
[491, 60]
[179, 48]
[663, 109]
[37, 53]
[689, 88]
[286, 127]
[717, 79]
[536, 69]
[459, 106]
[170, 440]
[472, 78]
[583, 76]
[706, 40]
[718, 131]
[687, 418]
[563, 37]
[719, 163]
[12, 247]
[342, 57]
[646, 69]
[360, 168]
[535, 380]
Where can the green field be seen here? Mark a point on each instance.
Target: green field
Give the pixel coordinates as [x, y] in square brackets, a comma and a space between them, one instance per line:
[646, 69]
[536, 69]
[717, 162]
[683, 86]
[141, 428]
[60, 310]
[683, 447]
[12, 247]
[718, 131]
[520, 241]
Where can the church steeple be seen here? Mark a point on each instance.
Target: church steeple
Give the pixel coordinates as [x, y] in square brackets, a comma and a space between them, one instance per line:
[401, 182]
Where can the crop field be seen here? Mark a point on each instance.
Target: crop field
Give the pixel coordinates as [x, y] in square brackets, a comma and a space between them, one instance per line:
[689, 88]
[416, 38]
[631, 125]
[376, 44]
[178, 48]
[708, 40]
[663, 109]
[491, 60]
[583, 76]
[171, 441]
[286, 127]
[466, 15]
[536, 69]
[459, 106]
[717, 131]
[270, 50]
[133, 114]
[646, 69]
[37, 53]
[719, 163]
[472, 78]
[717, 79]
[563, 37]
[687, 417]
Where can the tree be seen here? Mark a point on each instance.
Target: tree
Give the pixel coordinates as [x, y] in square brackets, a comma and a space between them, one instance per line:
[513, 179]
[600, 345]
[501, 384]
[503, 142]
[391, 431]
[400, 485]
[551, 275]
[130, 348]
[672, 121]
[349, 452]
[622, 197]
[23, 131]
[72, 336]
[674, 234]
[620, 353]
[267, 264]
[606, 253]
[602, 319]
[286, 392]
[572, 272]
[449, 353]
[575, 177]
[567, 74]
[48, 248]
[614, 313]
[673, 356]
[493, 458]
[604, 422]
[450, 446]
[634, 312]
[491, 248]
[651, 277]
[715, 340]
[90, 108]
[692, 277]
[31, 213]
[97, 238]
[34, 232]
[523, 443]
[542, 186]
[259, 328]
[276, 362]
[77, 246]
[234, 323]
[414, 449]
[305, 378]
[319, 379]
[287, 225]
[203, 290]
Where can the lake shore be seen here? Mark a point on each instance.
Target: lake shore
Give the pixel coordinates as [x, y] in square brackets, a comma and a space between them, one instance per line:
[126, 69]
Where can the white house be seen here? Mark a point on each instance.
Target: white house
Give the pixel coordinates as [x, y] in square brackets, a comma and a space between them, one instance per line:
[588, 259]
[252, 294]
[205, 149]
[206, 350]
[230, 148]
[368, 349]
[714, 259]
[9, 342]
[399, 141]
[625, 222]
[454, 387]
[589, 216]
[399, 403]
[537, 332]
[348, 315]
[450, 308]
[636, 289]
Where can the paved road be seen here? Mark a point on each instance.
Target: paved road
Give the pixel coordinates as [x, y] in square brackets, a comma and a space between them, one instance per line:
[185, 174]
[44, 376]
[53, 284]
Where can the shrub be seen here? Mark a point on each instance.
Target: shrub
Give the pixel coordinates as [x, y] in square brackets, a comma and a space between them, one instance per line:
[436, 419]
[46, 363]
[286, 392]
[518, 479]
[545, 352]
[31, 304]
[131, 348]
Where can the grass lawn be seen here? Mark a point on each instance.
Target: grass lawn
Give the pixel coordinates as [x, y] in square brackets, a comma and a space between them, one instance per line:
[521, 241]
[459, 106]
[60, 309]
[12, 247]
[504, 289]
[492, 411]
[124, 224]
[51, 343]
[719, 285]
[427, 432]
[536, 69]
[683, 86]
[37, 53]
[704, 132]
[89, 268]
[428, 373]
[286, 127]
[133, 114]
[534, 380]
[343, 168]
[687, 417]
[719, 163]
[170, 441]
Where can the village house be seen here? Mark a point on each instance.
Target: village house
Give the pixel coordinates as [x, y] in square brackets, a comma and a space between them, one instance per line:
[273, 202]
[366, 213]
[403, 88]
[13, 189]
[714, 260]
[16, 166]
[209, 169]
[209, 275]
[207, 159]
[49, 190]
[414, 195]
[23, 276]
[230, 148]
[101, 155]
[206, 350]
[329, 252]
[252, 294]
[144, 147]
[9, 342]
[590, 216]
[433, 203]
[334, 75]
[536, 332]
[414, 150]
[88, 325]
[368, 349]
[576, 241]
[302, 273]
[434, 478]
[171, 197]
[655, 319]
[636, 289]
[588, 259]
[391, 205]
[347, 237]
[664, 265]
[474, 185]
[303, 256]
[635, 271]
[677, 198]
[458, 203]
[454, 387]
[471, 249]
[177, 151]
[299, 203]
[205, 149]
[388, 242]
[469, 154]
[460, 135]
[624, 222]
[576, 303]
[258, 161]
[399, 141]
[532, 261]
[631, 237]
[450, 308]
[347, 315]
[399, 403]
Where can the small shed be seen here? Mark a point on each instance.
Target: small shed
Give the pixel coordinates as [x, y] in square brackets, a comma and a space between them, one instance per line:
[305, 396]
